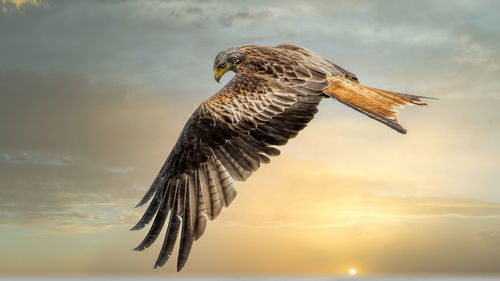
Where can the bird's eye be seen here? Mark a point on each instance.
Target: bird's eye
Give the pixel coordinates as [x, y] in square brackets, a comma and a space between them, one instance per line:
[222, 65]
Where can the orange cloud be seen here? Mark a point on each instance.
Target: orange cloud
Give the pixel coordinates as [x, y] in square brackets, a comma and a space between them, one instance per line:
[6, 5]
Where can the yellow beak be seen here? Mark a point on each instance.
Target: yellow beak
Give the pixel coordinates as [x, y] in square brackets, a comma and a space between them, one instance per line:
[218, 74]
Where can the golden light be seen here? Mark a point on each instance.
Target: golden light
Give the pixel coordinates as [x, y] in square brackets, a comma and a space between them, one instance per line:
[352, 272]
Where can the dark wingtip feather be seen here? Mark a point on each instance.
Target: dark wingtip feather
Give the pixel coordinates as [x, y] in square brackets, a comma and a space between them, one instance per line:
[136, 227]
[143, 201]
[169, 242]
[201, 224]
[150, 211]
[188, 224]
[172, 232]
[138, 248]
[156, 227]
[151, 191]
[180, 264]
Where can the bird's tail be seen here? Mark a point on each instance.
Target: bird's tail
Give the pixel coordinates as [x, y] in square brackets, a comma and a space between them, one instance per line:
[378, 104]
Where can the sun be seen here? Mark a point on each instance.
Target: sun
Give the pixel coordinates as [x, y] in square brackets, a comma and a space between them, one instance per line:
[352, 272]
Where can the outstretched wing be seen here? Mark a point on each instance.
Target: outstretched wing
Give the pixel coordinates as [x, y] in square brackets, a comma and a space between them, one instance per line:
[225, 139]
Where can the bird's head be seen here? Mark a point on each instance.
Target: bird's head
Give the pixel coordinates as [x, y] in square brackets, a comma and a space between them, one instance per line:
[227, 60]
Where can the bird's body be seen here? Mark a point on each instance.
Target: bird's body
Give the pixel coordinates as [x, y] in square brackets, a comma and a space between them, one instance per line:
[274, 94]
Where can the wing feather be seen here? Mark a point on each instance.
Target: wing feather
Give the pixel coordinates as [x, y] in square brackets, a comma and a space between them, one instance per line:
[171, 234]
[234, 168]
[220, 170]
[158, 223]
[224, 141]
[188, 222]
[151, 191]
[249, 151]
[213, 179]
[203, 205]
[150, 211]
[205, 189]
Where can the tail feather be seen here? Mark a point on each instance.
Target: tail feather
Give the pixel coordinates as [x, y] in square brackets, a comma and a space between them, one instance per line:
[375, 103]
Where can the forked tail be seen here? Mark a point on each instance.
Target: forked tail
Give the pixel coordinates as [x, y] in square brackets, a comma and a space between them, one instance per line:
[378, 104]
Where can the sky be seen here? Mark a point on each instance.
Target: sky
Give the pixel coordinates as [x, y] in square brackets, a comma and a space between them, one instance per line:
[94, 95]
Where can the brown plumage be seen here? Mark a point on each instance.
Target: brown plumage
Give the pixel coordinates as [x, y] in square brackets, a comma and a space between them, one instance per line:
[274, 94]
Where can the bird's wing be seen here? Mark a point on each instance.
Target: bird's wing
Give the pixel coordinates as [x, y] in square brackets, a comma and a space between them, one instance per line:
[343, 86]
[331, 68]
[224, 140]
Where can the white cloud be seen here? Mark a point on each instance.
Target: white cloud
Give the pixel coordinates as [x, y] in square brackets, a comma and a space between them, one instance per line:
[41, 159]
[118, 170]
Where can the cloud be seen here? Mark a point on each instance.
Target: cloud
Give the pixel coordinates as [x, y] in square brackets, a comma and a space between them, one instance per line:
[95, 93]
[62, 160]
[490, 236]
[7, 5]
[477, 54]
[172, 44]
[109, 137]
[118, 170]
[304, 198]
[26, 158]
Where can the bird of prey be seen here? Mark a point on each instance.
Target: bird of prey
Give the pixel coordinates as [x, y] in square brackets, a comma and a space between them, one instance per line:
[273, 95]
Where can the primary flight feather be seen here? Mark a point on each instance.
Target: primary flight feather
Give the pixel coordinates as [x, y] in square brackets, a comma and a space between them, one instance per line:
[274, 94]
